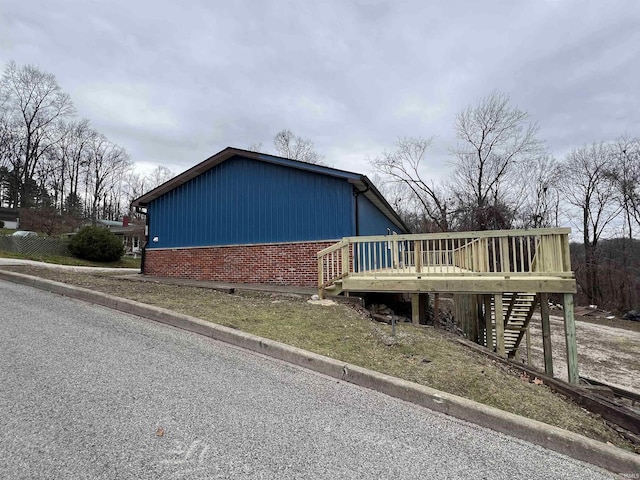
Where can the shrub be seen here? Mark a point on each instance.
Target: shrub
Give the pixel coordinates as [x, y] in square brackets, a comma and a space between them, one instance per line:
[97, 244]
[1, 224]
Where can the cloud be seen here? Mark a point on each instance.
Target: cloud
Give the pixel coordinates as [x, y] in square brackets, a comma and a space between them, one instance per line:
[126, 104]
[175, 82]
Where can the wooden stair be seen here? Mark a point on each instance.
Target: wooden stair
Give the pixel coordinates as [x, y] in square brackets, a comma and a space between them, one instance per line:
[517, 310]
[334, 289]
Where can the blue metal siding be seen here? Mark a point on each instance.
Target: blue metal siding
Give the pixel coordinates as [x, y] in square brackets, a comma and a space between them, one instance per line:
[247, 201]
[371, 220]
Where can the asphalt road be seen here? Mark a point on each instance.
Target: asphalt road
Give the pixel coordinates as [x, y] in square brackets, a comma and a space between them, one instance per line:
[86, 392]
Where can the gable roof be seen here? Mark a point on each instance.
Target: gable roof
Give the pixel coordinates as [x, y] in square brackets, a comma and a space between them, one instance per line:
[9, 214]
[360, 182]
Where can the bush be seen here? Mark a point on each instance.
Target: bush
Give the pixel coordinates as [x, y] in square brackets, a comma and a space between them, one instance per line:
[1, 224]
[97, 244]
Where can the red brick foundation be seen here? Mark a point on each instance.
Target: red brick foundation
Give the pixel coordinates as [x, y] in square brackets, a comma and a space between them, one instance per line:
[280, 264]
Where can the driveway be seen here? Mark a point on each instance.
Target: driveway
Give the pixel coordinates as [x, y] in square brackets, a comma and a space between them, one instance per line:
[91, 393]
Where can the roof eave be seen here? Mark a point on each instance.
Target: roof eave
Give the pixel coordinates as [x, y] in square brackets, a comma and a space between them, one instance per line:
[373, 194]
[185, 176]
[226, 154]
[361, 181]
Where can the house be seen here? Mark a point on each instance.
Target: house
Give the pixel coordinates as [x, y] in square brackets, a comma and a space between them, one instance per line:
[248, 217]
[132, 234]
[10, 217]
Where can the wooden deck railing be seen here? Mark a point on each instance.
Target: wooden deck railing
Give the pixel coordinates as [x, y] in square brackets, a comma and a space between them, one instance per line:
[506, 253]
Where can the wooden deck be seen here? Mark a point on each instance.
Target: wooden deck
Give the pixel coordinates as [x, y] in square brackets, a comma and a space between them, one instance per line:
[467, 262]
[497, 278]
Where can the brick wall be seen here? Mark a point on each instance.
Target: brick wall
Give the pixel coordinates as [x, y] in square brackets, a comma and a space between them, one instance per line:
[280, 264]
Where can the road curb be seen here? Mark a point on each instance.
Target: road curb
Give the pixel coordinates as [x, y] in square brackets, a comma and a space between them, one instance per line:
[576, 446]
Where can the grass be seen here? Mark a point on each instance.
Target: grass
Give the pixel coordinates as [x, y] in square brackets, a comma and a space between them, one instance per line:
[417, 353]
[124, 262]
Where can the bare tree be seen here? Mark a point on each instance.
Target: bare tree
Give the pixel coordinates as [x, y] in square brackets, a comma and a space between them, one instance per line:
[76, 149]
[11, 147]
[158, 176]
[620, 265]
[32, 102]
[586, 186]
[624, 173]
[493, 139]
[107, 164]
[539, 194]
[404, 166]
[256, 147]
[403, 201]
[135, 185]
[288, 145]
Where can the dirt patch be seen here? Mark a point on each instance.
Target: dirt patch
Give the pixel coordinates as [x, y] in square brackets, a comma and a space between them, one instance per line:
[608, 354]
[611, 322]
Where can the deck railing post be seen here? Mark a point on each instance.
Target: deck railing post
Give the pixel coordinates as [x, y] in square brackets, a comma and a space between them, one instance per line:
[345, 260]
[355, 251]
[394, 253]
[320, 278]
[566, 255]
[484, 256]
[417, 251]
[504, 255]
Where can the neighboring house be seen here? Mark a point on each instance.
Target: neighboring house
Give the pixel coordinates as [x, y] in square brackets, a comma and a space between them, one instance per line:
[132, 234]
[247, 217]
[10, 217]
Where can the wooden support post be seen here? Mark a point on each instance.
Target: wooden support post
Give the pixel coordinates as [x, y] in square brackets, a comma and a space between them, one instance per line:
[497, 303]
[460, 304]
[480, 320]
[436, 310]
[528, 340]
[472, 315]
[487, 322]
[570, 338]
[456, 310]
[546, 334]
[424, 305]
[415, 308]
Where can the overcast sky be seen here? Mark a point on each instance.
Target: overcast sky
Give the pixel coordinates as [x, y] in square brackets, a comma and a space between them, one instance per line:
[174, 82]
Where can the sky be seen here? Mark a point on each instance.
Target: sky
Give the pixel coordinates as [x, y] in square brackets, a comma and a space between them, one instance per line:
[175, 82]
